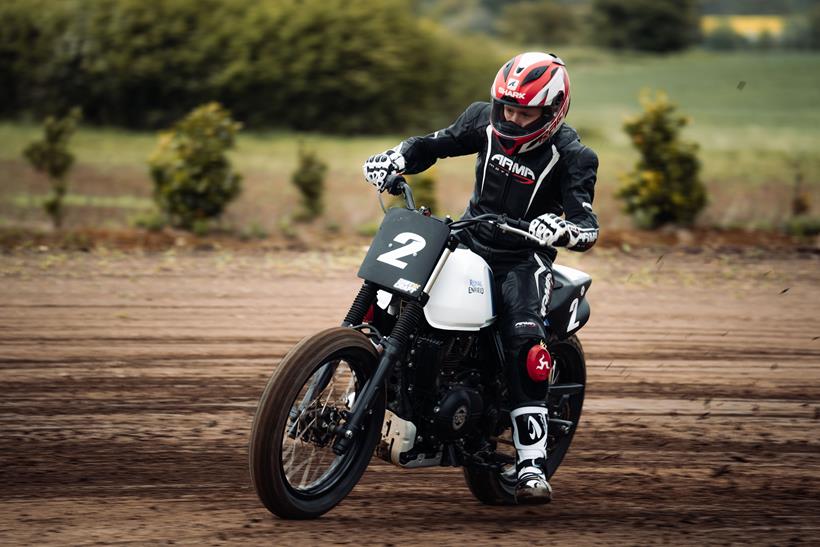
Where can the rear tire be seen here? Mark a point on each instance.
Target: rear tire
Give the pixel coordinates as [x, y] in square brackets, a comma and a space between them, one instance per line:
[291, 440]
[498, 487]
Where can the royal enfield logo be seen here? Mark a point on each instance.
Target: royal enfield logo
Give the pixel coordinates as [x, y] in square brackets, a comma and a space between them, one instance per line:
[510, 93]
[523, 173]
[476, 287]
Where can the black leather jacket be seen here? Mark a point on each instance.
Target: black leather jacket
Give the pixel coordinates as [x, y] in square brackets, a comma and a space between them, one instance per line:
[556, 177]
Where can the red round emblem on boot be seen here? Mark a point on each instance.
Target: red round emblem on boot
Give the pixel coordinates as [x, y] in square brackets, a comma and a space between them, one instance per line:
[539, 363]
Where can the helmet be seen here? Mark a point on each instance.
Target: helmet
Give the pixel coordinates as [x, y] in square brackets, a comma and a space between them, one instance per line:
[531, 79]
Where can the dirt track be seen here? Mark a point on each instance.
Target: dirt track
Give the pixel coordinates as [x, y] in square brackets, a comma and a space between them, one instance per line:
[127, 387]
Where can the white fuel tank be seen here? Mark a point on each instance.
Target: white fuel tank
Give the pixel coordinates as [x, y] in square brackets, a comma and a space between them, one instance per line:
[462, 297]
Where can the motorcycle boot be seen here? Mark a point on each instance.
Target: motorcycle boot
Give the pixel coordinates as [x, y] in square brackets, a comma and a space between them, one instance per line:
[530, 439]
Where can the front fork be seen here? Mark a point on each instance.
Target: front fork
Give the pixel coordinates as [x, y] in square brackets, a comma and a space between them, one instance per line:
[394, 347]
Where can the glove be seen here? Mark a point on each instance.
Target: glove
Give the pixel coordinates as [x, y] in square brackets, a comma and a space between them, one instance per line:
[377, 168]
[551, 229]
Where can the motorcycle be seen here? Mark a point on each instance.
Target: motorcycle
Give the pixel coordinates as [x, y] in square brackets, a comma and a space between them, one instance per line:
[415, 371]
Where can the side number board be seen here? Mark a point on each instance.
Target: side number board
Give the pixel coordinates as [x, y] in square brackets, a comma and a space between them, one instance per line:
[404, 252]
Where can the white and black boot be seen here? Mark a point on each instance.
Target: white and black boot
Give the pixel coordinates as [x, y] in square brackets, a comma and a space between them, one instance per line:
[530, 439]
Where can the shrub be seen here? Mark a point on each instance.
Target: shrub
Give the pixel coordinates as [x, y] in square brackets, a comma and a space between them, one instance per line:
[724, 38]
[339, 66]
[646, 25]
[813, 30]
[309, 179]
[52, 157]
[153, 221]
[193, 178]
[664, 187]
[803, 226]
[537, 22]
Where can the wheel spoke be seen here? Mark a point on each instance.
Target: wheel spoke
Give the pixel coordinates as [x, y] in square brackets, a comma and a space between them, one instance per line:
[307, 456]
[306, 474]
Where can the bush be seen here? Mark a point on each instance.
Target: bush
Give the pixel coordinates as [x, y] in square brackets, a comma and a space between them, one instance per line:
[724, 38]
[803, 226]
[349, 65]
[537, 22]
[193, 178]
[658, 26]
[813, 30]
[309, 179]
[339, 66]
[153, 221]
[126, 62]
[664, 187]
[52, 157]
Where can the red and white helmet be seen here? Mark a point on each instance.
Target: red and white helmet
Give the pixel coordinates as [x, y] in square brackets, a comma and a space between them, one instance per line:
[530, 79]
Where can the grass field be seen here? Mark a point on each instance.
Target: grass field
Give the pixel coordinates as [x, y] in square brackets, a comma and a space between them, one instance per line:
[755, 115]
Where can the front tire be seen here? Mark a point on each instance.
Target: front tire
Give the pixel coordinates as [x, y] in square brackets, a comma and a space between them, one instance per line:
[498, 487]
[292, 465]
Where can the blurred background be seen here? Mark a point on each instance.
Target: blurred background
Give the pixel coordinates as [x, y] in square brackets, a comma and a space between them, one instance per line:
[311, 88]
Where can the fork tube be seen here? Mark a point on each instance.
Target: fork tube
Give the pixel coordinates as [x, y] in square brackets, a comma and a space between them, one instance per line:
[394, 347]
[363, 300]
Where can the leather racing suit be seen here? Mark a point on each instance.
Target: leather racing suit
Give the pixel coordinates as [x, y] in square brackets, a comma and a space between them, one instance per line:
[556, 177]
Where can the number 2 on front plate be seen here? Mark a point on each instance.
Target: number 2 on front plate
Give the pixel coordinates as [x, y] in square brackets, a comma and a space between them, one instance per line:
[412, 244]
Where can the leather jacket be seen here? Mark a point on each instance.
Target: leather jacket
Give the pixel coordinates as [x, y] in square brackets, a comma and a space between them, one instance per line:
[556, 177]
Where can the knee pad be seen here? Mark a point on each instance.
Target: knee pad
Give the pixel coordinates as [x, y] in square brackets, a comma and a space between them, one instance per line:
[539, 363]
[528, 372]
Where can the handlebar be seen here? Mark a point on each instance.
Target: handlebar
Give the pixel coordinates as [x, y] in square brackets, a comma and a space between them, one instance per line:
[397, 185]
[505, 224]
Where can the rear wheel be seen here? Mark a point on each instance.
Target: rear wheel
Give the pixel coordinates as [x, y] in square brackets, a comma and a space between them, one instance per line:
[565, 401]
[293, 467]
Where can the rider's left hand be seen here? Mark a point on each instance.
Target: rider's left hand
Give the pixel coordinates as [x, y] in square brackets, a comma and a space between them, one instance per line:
[551, 229]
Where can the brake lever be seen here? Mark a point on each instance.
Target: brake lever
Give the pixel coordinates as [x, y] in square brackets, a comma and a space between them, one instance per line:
[504, 227]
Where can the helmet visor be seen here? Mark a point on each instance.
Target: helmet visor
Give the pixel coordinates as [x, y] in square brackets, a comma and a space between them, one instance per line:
[507, 124]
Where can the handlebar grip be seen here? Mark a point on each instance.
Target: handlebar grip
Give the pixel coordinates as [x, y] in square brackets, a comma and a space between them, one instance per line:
[394, 184]
[520, 224]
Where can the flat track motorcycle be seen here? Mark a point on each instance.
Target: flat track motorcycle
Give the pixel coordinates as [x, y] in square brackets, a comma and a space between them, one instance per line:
[415, 371]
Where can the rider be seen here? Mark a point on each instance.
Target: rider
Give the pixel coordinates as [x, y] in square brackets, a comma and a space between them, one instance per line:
[530, 166]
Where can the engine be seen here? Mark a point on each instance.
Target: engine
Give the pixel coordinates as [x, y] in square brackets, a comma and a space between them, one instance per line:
[458, 412]
[434, 399]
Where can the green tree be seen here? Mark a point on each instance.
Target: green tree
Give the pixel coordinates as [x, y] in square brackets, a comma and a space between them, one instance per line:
[658, 26]
[338, 66]
[193, 178]
[665, 186]
[724, 38]
[537, 22]
[309, 179]
[343, 66]
[766, 41]
[52, 157]
[813, 30]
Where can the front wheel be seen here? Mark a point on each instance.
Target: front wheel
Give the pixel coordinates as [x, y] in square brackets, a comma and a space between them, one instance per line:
[292, 464]
[565, 401]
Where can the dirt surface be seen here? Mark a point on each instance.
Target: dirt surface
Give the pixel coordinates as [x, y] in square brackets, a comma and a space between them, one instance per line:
[128, 384]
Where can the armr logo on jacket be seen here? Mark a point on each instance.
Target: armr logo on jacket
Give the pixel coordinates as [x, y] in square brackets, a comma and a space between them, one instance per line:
[522, 173]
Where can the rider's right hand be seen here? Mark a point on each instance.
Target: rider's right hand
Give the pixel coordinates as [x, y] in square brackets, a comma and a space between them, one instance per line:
[377, 168]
